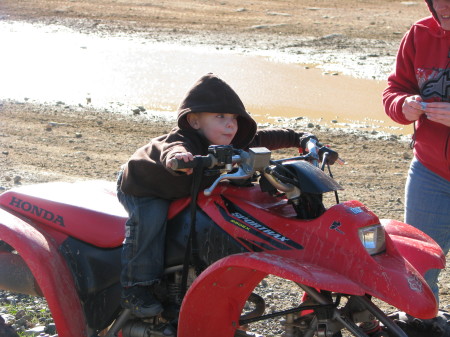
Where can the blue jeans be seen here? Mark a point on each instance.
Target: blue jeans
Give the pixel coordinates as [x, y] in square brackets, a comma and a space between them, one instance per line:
[427, 207]
[144, 245]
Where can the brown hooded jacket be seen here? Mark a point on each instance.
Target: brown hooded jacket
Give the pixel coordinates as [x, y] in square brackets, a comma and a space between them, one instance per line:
[146, 173]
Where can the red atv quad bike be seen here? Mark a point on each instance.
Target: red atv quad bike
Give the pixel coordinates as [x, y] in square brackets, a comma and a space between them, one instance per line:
[260, 217]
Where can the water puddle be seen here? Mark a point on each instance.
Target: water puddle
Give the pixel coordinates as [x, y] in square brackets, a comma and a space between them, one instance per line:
[53, 63]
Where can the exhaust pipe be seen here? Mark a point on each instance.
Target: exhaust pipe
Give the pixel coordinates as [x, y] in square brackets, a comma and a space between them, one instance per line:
[15, 276]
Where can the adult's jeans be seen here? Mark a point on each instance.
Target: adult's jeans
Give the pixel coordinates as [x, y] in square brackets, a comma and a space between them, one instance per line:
[427, 207]
[144, 245]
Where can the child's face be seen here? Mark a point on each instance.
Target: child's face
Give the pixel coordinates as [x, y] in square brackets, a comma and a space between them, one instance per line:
[218, 128]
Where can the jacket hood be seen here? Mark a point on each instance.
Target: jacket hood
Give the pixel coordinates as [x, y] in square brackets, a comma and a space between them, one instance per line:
[212, 94]
[432, 23]
[433, 12]
[430, 7]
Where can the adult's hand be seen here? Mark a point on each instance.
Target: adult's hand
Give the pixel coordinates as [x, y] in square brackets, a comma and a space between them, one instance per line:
[438, 112]
[412, 108]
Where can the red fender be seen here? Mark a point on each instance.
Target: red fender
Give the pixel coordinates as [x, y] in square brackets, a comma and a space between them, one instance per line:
[213, 303]
[50, 271]
[415, 246]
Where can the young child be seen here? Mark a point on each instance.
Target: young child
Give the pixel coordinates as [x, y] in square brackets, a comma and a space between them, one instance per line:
[210, 114]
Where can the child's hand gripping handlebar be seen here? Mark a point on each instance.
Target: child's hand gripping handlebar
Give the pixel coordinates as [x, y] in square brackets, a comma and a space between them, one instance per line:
[199, 161]
[225, 158]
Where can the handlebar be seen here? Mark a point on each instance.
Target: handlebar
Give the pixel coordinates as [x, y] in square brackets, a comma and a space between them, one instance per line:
[225, 158]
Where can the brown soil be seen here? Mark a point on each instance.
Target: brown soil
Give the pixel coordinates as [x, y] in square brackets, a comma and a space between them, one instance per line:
[40, 143]
[370, 19]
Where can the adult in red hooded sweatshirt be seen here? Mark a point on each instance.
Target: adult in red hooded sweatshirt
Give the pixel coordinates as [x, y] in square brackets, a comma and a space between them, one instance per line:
[418, 93]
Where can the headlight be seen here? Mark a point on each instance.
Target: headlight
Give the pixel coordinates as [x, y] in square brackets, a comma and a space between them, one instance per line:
[373, 238]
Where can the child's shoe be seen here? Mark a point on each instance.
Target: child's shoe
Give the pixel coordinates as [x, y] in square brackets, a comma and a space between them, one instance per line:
[141, 301]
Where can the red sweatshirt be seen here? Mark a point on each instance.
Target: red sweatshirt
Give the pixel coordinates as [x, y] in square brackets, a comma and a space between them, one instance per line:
[423, 68]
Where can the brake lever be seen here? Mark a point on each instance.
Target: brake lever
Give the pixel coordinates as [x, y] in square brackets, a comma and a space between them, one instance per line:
[313, 158]
[239, 174]
[324, 161]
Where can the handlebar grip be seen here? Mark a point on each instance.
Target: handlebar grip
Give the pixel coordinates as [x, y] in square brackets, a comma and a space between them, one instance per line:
[199, 161]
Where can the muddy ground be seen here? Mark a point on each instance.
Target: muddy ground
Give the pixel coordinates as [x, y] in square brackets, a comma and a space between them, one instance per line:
[50, 142]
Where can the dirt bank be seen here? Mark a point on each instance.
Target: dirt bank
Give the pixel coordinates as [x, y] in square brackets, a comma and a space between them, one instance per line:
[372, 19]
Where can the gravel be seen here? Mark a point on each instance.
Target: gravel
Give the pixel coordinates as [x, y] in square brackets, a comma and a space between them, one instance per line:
[26, 314]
